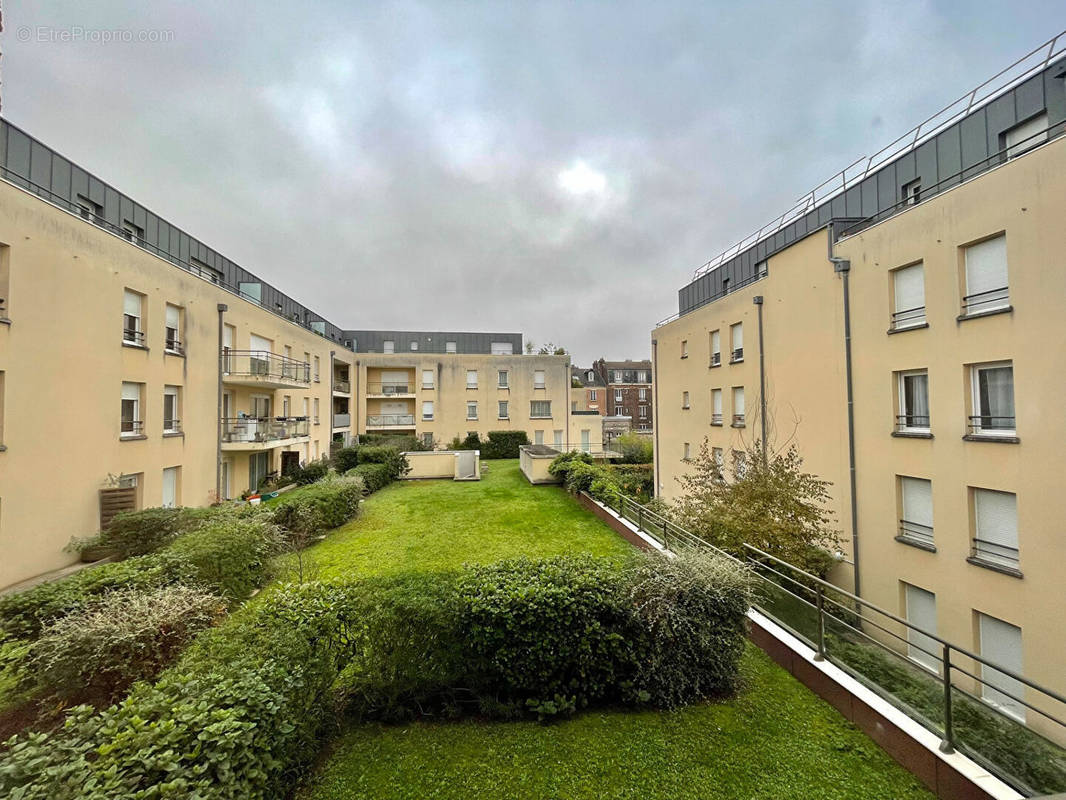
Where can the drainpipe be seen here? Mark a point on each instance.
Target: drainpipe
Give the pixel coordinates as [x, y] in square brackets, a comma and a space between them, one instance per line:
[332, 367]
[843, 268]
[655, 410]
[757, 300]
[358, 363]
[222, 309]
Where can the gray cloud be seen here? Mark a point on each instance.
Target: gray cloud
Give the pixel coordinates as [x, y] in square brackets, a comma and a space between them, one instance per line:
[398, 164]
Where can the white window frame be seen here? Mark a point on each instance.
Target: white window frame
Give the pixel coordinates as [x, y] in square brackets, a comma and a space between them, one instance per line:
[685, 400]
[902, 423]
[175, 392]
[471, 406]
[432, 379]
[976, 428]
[736, 342]
[716, 348]
[995, 298]
[538, 379]
[991, 694]
[131, 392]
[618, 396]
[533, 405]
[915, 530]
[427, 410]
[904, 314]
[921, 647]
[471, 379]
[502, 379]
[1026, 135]
[388, 346]
[133, 309]
[502, 409]
[414, 347]
[450, 347]
[716, 407]
[739, 417]
[172, 344]
[991, 547]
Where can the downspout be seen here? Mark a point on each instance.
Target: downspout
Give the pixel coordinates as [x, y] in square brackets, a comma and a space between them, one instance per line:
[655, 410]
[222, 309]
[843, 267]
[757, 300]
[332, 368]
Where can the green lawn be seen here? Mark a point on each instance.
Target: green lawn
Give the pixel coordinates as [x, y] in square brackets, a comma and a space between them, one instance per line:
[434, 525]
[774, 740]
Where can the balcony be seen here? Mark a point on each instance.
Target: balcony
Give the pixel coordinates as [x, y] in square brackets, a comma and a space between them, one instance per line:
[390, 389]
[264, 369]
[389, 421]
[341, 386]
[262, 433]
[342, 420]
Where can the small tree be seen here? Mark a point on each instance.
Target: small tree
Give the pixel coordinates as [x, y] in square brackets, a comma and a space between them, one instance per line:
[773, 505]
[551, 349]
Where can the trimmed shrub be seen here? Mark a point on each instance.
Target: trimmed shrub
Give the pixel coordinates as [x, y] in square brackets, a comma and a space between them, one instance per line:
[391, 457]
[471, 442]
[635, 480]
[345, 459]
[374, 476]
[231, 557]
[503, 444]
[23, 614]
[561, 463]
[136, 533]
[635, 449]
[98, 651]
[319, 507]
[310, 472]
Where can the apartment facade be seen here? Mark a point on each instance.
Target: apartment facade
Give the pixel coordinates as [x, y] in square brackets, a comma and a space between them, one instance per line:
[442, 393]
[133, 357]
[948, 256]
[588, 392]
[629, 390]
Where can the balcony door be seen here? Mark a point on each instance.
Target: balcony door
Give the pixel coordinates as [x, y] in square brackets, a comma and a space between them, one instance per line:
[258, 466]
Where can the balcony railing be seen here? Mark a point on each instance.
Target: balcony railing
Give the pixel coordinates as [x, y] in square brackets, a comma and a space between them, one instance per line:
[342, 420]
[915, 532]
[174, 345]
[994, 553]
[912, 422]
[172, 426]
[389, 388]
[738, 420]
[132, 427]
[908, 318]
[989, 425]
[716, 359]
[265, 366]
[980, 302]
[737, 355]
[389, 420]
[342, 386]
[263, 429]
[133, 336]
[716, 419]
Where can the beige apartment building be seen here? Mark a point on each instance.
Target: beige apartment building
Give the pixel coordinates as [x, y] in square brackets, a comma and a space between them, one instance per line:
[947, 277]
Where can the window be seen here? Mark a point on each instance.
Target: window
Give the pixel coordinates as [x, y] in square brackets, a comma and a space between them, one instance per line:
[414, 346]
[538, 437]
[616, 377]
[920, 611]
[995, 529]
[427, 410]
[89, 209]
[502, 409]
[913, 414]
[538, 379]
[557, 438]
[2, 410]
[718, 456]
[171, 410]
[618, 396]
[5, 281]
[592, 395]
[1025, 136]
[132, 322]
[388, 346]
[132, 425]
[170, 487]
[172, 341]
[501, 378]
[908, 294]
[316, 369]
[258, 467]
[738, 407]
[590, 375]
[251, 291]
[1001, 643]
[687, 453]
[471, 409]
[644, 377]
[573, 405]
[540, 409]
[911, 192]
[643, 412]
[501, 349]
[135, 233]
[736, 334]
[986, 276]
[916, 511]
[684, 348]
[684, 400]
[427, 440]
[716, 348]
[716, 406]
[449, 347]
[993, 399]
[740, 464]
[471, 379]
[315, 401]
[642, 395]
[427, 379]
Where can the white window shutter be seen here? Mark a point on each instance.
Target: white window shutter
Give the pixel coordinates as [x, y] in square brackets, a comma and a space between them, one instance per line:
[131, 391]
[172, 316]
[738, 337]
[917, 501]
[131, 303]
[986, 266]
[258, 343]
[910, 288]
[921, 612]
[1001, 643]
[997, 517]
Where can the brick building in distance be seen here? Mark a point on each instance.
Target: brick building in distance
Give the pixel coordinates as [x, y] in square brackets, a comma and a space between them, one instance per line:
[628, 390]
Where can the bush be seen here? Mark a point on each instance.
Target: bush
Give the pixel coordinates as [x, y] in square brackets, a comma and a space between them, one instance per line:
[562, 462]
[345, 459]
[374, 476]
[309, 473]
[503, 444]
[319, 507]
[635, 449]
[136, 533]
[23, 614]
[128, 635]
[391, 457]
[635, 480]
[471, 442]
[231, 557]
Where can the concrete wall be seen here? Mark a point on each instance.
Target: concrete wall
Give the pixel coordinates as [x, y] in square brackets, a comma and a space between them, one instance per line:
[535, 465]
[436, 464]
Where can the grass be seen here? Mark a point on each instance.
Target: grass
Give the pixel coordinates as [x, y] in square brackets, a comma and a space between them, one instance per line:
[436, 525]
[775, 739]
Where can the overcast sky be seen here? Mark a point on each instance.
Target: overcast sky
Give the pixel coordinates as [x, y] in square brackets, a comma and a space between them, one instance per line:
[557, 169]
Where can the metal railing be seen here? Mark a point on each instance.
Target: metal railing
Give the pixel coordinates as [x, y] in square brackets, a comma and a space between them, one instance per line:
[388, 388]
[132, 427]
[263, 429]
[912, 422]
[133, 336]
[736, 355]
[908, 318]
[174, 345]
[1006, 722]
[265, 365]
[716, 419]
[387, 420]
[340, 385]
[990, 424]
[994, 553]
[738, 420]
[171, 426]
[915, 532]
[981, 302]
[716, 359]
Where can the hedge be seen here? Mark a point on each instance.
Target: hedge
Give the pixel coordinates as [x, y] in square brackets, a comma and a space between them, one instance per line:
[503, 444]
[136, 533]
[391, 457]
[231, 557]
[374, 476]
[319, 507]
[345, 458]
